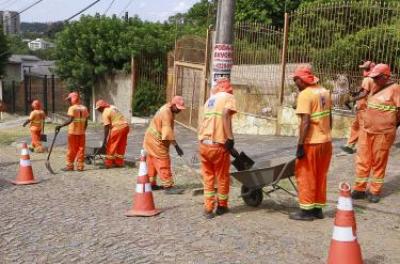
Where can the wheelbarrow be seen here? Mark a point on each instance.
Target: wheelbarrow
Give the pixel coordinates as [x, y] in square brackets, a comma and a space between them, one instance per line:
[269, 175]
[93, 153]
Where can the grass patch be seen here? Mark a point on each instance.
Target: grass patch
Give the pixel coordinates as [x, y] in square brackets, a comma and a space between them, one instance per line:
[10, 135]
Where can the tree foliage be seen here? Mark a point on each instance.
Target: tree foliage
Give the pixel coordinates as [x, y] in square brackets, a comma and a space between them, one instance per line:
[95, 45]
[4, 52]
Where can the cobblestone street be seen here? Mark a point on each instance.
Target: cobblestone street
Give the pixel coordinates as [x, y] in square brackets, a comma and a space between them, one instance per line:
[79, 217]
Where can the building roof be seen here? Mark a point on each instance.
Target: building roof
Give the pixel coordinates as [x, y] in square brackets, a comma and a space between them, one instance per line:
[16, 58]
[43, 68]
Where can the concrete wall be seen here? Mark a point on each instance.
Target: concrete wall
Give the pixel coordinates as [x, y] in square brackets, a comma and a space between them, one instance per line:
[286, 124]
[117, 90]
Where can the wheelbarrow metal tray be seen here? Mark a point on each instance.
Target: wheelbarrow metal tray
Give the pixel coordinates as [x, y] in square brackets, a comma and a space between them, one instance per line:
[265, 173]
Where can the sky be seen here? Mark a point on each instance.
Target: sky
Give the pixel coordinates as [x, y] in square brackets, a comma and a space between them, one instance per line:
[56, 10]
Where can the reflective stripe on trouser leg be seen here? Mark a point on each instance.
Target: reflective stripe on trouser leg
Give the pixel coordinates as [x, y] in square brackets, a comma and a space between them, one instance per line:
[215, 163]
[223, 177]
[363, 161]
[380, 157]
[151, 170]
[163, 168]
[80, 156]
[208, 178]
[122, 142]
[72, 150]
[311, 172]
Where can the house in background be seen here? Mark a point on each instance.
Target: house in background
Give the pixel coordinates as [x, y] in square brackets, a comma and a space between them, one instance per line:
[18, 64]
[39, 44]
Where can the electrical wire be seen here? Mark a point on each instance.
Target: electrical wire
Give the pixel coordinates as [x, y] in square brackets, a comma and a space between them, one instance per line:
[108, 8]
[83, 10]
[126, 7]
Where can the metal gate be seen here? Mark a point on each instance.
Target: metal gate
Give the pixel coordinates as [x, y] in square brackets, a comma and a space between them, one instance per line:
[191, 58]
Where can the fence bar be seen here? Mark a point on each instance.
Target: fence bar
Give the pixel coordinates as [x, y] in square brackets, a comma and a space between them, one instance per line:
[26, 95]
[53, 96]
[13, 96]
[284, 58]
[45, 93]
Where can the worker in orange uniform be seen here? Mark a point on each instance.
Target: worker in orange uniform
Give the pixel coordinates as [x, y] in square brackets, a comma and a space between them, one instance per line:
[360, 98]
[36, 120]
[216, 144]
[381, 120]
[157, 139]
[116, 131]
[314, 149]
[77, 124]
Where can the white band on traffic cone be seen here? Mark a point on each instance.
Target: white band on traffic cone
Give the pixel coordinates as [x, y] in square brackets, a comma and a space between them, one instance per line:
[142, 188]
[25, 163]
[142, 169]
[343, 234]
[345, 204]
[24, 151]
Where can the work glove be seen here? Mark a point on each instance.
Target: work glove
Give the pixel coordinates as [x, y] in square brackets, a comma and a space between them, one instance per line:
[179, 150]
[229, 144]
[58, 129]
[300, 151]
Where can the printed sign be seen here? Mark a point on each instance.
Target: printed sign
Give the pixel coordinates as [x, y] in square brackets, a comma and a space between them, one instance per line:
[222, 60]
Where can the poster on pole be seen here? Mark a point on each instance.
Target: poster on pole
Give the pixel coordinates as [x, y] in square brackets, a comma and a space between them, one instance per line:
[222, 61]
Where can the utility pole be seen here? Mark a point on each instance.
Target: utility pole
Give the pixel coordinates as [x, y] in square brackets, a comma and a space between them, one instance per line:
[222, 60]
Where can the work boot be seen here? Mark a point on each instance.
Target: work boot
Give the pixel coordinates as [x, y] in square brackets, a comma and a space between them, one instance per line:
[156, 187]
[317, 212]
[209, 215]
[222, 210]
[67, 169]
[173, 190]
[348, 149]
[373, 198]
[357, 195]
[302, 215]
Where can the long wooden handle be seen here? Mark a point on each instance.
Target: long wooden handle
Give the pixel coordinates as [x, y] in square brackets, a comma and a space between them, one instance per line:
[52, 144]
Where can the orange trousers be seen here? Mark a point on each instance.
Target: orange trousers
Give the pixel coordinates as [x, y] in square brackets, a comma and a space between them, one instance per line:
[311, 173]
[355, 129]
[116, 147]
[215, 163]
[36, 143]
[372, 157]
[76, 151]
[162, 167]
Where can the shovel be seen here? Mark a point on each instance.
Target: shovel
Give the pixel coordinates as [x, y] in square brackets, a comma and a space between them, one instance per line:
[48, 167]
[43, 137]
[242, 161]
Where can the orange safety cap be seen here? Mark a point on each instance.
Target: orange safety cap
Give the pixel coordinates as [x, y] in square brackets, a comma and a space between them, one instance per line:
[74, 97]
[366, 65]
[224, 85]
[178, 102]
[101, 104]
[380, 69]
[304, 73]
[36, 105]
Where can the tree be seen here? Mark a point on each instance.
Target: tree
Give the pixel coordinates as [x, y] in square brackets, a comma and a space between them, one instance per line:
[97, 45]
[4, 51]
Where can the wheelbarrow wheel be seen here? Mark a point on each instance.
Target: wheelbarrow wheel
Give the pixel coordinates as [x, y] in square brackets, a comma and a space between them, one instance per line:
[252, 197]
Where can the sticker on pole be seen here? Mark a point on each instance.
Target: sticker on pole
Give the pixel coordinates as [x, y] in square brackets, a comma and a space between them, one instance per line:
[223, 59]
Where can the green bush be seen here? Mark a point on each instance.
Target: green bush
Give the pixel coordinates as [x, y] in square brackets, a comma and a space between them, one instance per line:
[147, 99]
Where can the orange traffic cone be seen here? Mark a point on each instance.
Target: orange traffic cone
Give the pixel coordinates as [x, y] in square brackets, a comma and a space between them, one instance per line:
[344, 245]
[143, 204]
[25, 174]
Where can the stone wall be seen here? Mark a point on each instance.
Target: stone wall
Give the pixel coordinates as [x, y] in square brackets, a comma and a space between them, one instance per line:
[117, 90]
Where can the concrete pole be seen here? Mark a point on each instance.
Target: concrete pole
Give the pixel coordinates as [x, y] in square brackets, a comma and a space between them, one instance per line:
[223, 47]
